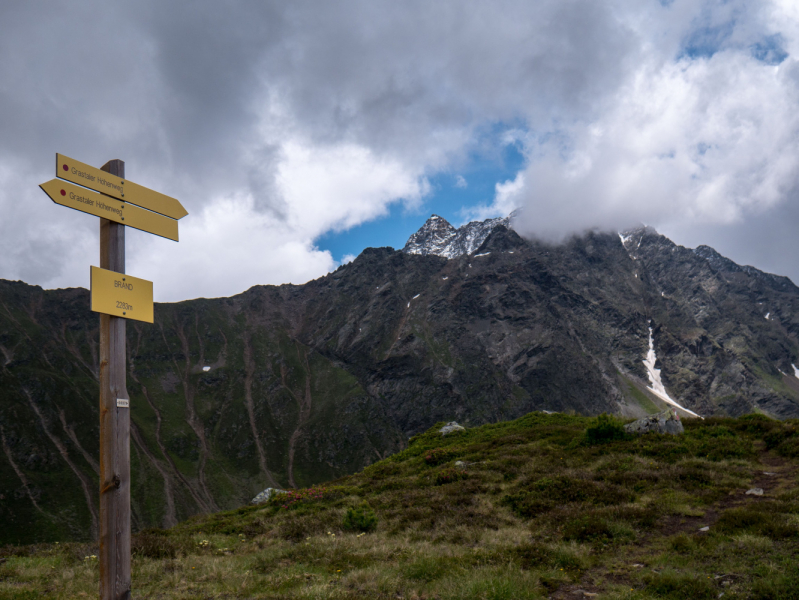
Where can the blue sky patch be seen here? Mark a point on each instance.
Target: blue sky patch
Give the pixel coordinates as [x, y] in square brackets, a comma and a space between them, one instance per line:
[770, 50]
[704, 42]
[494, 161]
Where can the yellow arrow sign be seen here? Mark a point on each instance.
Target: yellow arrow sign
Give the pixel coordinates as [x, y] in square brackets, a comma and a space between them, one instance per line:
[84, 200]
[95, 179]
[121, 295]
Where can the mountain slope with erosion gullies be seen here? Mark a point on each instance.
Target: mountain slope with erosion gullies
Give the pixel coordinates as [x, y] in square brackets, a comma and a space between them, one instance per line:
[296, 384]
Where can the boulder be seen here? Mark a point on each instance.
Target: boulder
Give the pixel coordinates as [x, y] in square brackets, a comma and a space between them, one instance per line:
[667, 421]
[266, 495]
[450, 427]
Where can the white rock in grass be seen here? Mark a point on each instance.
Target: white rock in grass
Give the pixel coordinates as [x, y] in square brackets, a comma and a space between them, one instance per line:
[266, 495]
[755, 492]
[450, 427]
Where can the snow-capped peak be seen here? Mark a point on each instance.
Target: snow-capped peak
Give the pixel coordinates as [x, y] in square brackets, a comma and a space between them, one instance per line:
[439, 238]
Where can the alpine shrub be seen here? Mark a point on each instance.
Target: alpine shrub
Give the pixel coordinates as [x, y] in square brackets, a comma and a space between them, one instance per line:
[361, 519]
[605, 430]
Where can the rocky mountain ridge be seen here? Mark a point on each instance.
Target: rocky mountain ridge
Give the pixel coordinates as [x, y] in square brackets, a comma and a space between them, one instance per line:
[290, 385]
[437, 237]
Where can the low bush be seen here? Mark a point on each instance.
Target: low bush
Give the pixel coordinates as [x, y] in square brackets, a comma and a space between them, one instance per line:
[778, 586]
[549, 492]
[152, 545]
[680, 587]
[449, 476]
[606, 429]
[426, 569]
[362, 518]
[588, 528]
[535, 555]
[439, 456]
[756, 520]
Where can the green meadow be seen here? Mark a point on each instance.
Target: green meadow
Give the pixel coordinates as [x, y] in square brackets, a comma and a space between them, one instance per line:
[546, 506]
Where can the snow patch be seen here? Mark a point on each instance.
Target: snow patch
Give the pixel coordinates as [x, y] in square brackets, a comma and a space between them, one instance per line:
[795, 371]
[445, 278]
[767, 314]
[416, 296]
[657, 387]
[483, 254]
[206, 369]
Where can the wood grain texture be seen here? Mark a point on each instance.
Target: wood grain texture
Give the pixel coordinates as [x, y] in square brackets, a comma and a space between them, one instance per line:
[114, 556]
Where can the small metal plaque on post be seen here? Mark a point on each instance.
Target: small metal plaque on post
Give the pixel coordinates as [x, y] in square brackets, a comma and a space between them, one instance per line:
[123, 403]
[120, 295]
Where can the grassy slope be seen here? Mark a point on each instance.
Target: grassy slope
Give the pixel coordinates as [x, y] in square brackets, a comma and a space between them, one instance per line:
[538, 512]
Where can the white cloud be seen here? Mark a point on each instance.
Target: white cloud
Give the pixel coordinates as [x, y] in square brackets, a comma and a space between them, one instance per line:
[224, 250]
[337, 187]
[460, 182]
[276, 123]
[507, 198]
[232, 244]
[708, 140]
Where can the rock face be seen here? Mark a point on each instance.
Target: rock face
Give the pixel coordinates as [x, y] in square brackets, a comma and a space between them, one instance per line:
[309, 382]
[667, 421]
[437, 237]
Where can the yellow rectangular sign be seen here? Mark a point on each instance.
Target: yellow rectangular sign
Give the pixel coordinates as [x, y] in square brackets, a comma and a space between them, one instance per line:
[100, 181]
[79, 198]
[121, 295]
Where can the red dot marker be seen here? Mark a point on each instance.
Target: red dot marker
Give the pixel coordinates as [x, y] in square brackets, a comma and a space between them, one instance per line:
[63, 192]
[66, 168]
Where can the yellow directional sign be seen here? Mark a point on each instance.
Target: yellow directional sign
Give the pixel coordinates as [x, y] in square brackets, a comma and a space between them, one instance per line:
[95, 179]
[121, 295]
[79, 198]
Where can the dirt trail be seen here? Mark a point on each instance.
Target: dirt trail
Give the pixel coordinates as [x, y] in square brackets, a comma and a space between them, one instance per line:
[170, 517]
[71, 434]
[195, 493]
[249, 371]
[304, 402]
[85, 482]
[191, 415]
[19, 472]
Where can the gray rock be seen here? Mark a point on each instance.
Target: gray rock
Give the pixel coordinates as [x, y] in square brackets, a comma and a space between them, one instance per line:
[755, 492]
[450, 427]
[266, 495]
[667, 421]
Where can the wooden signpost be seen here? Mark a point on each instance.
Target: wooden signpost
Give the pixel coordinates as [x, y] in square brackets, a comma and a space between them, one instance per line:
[117, 297]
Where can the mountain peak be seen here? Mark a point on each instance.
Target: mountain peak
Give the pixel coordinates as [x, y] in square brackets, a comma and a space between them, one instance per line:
[440, 238]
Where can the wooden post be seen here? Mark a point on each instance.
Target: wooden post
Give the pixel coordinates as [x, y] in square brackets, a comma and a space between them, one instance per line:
[114, 426]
